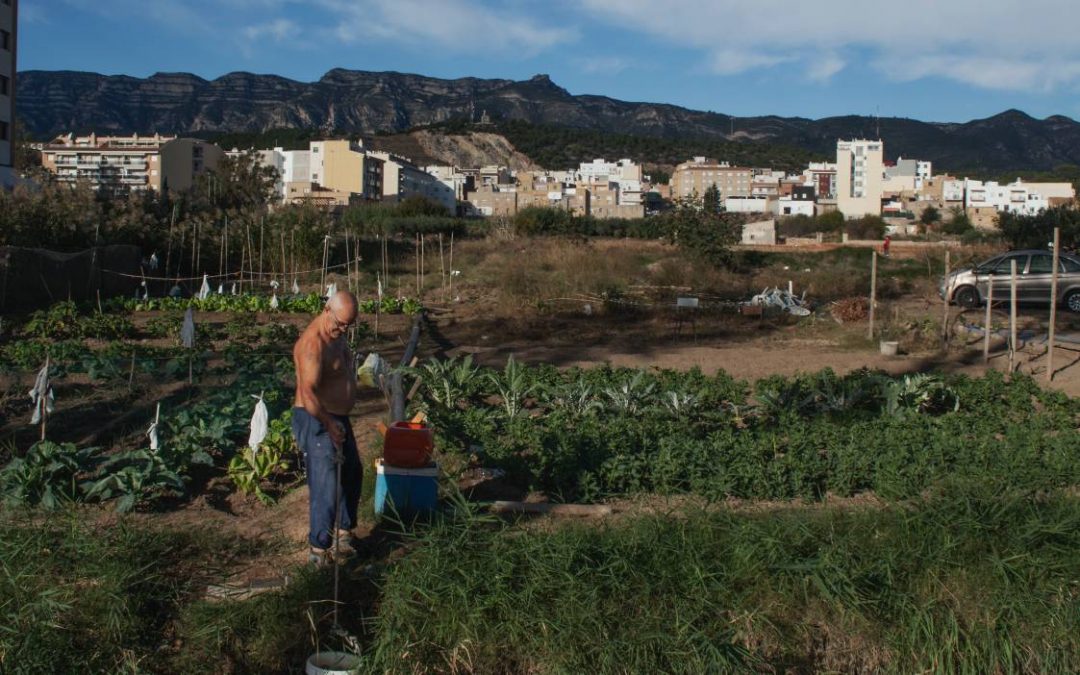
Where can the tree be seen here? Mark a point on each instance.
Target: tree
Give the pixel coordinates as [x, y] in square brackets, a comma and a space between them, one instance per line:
[959, 223]
[707, 236]
[1037, 230]
[710, 201]
[930, 215]
[833, 221]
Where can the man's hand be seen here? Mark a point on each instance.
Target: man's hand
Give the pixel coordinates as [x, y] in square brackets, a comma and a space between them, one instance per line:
[337, 433]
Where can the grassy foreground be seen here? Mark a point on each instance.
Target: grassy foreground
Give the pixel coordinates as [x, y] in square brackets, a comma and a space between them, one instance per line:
[967, 582]
[959, 581]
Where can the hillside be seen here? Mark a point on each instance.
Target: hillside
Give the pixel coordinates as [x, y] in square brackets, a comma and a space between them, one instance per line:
[359, 102]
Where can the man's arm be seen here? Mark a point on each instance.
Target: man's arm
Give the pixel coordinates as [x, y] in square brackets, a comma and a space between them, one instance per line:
[308, 372]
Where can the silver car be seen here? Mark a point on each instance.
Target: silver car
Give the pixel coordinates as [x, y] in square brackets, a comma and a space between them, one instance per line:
[968, 287]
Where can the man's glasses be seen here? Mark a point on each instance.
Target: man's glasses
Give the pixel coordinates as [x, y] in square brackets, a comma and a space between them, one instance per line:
[338, 323]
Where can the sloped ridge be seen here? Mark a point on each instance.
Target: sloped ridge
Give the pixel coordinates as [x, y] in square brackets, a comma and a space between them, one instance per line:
[355, 101]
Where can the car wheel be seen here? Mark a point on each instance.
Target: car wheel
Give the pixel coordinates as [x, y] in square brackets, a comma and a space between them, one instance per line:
[1072, 301]
[966, 296]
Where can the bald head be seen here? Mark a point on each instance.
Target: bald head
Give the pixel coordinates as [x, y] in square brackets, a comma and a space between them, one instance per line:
[341, 302]
[340, 313]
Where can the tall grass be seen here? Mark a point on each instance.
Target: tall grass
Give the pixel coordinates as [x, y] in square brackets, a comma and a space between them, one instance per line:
[974, 582]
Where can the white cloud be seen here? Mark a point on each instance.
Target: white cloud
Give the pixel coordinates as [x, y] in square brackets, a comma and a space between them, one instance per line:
[277, 30]
[458, 25]
[995, 44]
[604, 65]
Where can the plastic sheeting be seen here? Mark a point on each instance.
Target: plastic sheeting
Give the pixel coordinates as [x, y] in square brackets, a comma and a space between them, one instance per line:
[187, 331]
[204, 291]
[152, 432]
[260, 420]
[42, 395]
[372, 371]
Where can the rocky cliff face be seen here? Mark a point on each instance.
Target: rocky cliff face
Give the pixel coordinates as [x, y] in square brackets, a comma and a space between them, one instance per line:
[366, 102]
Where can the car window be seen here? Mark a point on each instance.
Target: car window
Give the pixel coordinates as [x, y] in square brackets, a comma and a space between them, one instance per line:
[1003, 266]
[1041, 263]
[1070, 266]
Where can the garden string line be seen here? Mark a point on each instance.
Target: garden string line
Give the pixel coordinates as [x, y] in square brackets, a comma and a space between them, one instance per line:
[228, 275]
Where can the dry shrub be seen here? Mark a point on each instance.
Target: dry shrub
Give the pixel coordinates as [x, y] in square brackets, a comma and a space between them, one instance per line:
[851, 309]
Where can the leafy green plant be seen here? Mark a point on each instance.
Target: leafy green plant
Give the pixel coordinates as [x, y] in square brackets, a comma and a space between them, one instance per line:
[134, 476]
[47, 476]
[250, 469]
[921, 393]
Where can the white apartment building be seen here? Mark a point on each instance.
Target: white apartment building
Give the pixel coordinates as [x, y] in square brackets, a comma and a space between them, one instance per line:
[919, 170]
[822, 177]
[453, 178]
[8, 40]
[119, 165]
[402, 179]
[859, 175]
[1013, 197]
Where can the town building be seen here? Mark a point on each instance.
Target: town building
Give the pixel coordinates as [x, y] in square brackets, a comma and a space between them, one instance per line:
[918, 170]
[402, 179]
[1018, 197]
[859, 177]
[489, 200]
[119, 165]
[822, 177]
[691, 179]
[9, 25]
[455, 179]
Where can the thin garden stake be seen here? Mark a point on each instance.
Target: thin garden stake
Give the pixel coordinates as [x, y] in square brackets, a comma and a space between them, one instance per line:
[1053, 305]
[451, 265]
[131, 373]
[416, 259]
[43, 401]
[873, 292]
[262, 232]
[1012, 315]
[442, 269]
[945, 320]
[986, 329]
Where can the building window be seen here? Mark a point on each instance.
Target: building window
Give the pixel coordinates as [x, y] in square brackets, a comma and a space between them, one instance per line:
[3, 130]
[5, 40]
[5, 85]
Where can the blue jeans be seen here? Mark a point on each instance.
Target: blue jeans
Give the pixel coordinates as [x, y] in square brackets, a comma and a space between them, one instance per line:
[319, 455]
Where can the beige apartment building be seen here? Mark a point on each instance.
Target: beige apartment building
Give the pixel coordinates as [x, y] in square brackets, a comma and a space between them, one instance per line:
[344, 166]
[8, 39]
[860, 171]
[119, 165]
[691, 179]
[489, 201]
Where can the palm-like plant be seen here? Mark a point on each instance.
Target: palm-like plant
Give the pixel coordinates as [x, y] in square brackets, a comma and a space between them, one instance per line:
[514, 386]
[633, 395]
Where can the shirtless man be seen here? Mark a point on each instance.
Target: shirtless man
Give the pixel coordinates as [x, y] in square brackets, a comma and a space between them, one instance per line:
[325, 390]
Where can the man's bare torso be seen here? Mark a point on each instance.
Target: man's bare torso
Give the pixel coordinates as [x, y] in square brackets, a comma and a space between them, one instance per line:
[336, 387]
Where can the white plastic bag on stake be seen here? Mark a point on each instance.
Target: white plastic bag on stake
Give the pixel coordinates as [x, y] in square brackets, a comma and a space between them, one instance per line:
[42, 395]
[331, 291]
[221, 289]
[260, 419]
[152, 431]
[187, 331]
[274, 301]
[234, 288]
[295, 287]
[204, 292]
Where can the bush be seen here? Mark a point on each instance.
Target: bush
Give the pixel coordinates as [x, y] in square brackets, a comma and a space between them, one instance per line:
[867, 227]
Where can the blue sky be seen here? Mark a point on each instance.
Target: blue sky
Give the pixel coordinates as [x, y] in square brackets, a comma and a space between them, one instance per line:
[924, 59]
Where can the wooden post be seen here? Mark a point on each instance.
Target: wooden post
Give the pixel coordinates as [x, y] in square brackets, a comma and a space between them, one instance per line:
[442, 269]
[416, 257]
[945, 319]
[348, 264]
[325, 257]
[986, 328]
[873, 293]
[262, 232]
[131, 372]
[243, 254]
[1012, 315]
[451, 266]
[423, 264]
[1053, 306]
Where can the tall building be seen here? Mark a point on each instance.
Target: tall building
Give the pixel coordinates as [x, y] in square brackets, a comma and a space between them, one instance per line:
[9, 10]
[118, 165]
[344, 166]
[402, 179]
[691, 179]
[860, 169]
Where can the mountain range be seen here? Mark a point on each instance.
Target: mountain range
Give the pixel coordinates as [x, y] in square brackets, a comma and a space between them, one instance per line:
[351, 101]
